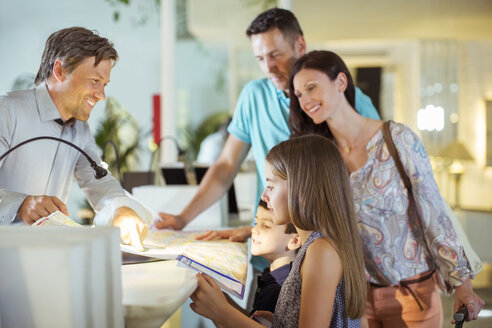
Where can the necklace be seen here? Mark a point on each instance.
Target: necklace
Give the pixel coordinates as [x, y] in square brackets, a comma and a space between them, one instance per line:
[348, 148]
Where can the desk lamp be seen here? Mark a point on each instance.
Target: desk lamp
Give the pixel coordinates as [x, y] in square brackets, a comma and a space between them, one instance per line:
[457, 152]
[99, 172]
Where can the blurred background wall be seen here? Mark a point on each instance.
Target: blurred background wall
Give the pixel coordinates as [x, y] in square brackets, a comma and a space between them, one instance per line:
[421, 54]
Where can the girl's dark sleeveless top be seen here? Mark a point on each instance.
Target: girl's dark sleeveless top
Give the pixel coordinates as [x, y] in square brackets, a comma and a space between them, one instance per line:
[288, 305]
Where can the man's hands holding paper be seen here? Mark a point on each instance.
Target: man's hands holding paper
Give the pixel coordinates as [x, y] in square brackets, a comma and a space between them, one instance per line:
[132, 229]
[35, 207]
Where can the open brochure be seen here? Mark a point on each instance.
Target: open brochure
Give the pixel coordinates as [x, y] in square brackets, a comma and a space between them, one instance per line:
[56, 219]
[223, 260]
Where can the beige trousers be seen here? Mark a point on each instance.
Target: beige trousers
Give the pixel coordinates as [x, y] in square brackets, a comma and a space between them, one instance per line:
[395, 306]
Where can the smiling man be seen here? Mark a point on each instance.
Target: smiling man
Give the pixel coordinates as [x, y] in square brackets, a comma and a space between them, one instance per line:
[35, 179]
[261, 117]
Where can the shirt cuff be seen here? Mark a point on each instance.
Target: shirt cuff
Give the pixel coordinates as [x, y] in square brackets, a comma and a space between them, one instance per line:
[459, 276]
[10, 201]
[106, 214]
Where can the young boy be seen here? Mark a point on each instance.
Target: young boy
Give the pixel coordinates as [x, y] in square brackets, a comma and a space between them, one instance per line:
[278, 244]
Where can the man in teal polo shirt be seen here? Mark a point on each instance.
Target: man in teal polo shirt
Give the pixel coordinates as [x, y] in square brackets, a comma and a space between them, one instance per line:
[261, 117]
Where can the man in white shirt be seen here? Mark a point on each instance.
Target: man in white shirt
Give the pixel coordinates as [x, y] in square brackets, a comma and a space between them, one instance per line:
[35, 179]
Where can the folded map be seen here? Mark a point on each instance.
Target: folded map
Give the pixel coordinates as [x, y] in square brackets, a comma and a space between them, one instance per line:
[56, 219]
[223, 260]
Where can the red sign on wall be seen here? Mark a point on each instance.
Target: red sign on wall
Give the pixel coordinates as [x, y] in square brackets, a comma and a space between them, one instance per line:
[156, 117]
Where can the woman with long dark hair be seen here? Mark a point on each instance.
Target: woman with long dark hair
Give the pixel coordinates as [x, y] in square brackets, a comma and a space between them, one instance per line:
[406, 239]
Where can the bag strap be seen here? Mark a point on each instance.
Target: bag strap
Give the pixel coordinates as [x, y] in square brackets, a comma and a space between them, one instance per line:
[394, 153]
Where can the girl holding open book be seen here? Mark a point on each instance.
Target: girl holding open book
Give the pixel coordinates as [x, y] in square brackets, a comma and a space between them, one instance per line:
[307, 184]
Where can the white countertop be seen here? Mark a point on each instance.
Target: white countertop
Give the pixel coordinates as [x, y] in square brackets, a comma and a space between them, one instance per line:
[153, 291]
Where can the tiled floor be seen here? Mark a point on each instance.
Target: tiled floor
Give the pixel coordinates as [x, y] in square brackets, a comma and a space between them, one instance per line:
[484, 320]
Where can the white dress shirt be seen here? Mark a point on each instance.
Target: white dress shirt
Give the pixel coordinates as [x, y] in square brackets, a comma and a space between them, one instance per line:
[46, 167]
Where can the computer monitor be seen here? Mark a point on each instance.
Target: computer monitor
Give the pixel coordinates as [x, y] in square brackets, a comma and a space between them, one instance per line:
[133, 179]
[174, 175]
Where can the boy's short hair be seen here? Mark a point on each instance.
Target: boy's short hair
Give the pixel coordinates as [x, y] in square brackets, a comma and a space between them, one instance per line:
[290, 228]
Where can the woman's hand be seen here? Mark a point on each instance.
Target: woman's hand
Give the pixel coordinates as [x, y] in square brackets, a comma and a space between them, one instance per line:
[464, 295]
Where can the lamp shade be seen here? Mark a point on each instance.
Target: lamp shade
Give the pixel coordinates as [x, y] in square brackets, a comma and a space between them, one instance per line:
[456, 150]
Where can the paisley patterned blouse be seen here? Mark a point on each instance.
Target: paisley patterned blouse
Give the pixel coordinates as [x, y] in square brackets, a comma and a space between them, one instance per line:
[402, 238]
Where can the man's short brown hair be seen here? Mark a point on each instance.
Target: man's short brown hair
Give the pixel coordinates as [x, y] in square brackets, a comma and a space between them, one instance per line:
[72, 45]
[282, 19]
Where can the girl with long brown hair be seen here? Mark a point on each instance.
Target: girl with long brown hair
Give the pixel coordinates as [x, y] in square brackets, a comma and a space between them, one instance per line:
[307, 185]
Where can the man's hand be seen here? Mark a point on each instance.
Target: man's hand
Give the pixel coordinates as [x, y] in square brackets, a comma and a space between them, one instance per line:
[464, 295]
[237, 234]
[35, 207]
[132, 229]
[169, 221]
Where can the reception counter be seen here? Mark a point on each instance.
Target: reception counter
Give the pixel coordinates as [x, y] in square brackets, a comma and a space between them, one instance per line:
[153, 291]
[74, 278]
